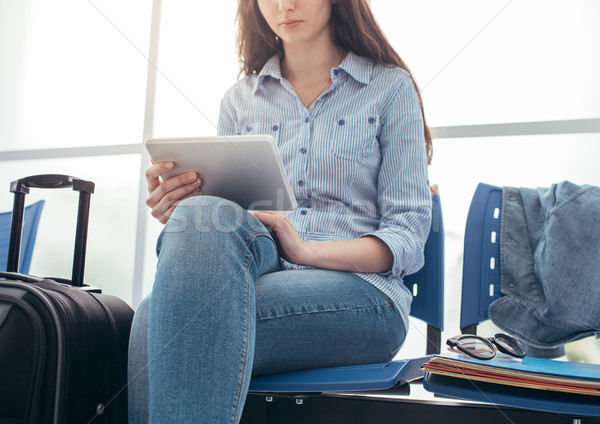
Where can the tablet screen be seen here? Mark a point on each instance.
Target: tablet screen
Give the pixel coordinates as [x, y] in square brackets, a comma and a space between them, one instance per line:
[247, 170]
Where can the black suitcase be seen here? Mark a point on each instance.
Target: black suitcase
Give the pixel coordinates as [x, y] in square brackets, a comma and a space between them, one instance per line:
[63, 344]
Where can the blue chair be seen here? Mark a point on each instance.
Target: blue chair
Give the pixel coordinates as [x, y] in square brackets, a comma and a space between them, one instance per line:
[427, 287]
[481, 263]
[481, 286]
[31, 219]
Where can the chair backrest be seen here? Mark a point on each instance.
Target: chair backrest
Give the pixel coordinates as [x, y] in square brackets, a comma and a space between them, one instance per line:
[31, 219]
[481, 262]
[427, 285]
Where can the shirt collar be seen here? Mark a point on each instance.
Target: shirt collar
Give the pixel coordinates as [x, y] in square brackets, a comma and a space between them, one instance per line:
[358, 67]
[271, 69]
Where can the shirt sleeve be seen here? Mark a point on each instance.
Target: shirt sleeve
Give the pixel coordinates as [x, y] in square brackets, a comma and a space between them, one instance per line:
[404, 197]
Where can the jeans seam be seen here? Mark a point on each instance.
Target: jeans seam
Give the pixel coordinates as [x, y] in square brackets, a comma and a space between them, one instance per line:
[363, 308]
[246, 336]
[568, 200]
[249, 242]
[247, 327]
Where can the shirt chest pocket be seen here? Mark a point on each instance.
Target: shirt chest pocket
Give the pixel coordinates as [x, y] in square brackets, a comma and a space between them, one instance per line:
[354, 136]
[254, 128]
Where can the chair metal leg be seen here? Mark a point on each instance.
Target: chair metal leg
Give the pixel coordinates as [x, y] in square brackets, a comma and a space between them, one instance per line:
[471, 329]
[434, 339]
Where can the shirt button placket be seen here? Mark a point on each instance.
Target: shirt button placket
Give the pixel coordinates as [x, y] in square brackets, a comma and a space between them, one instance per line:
[303, 150]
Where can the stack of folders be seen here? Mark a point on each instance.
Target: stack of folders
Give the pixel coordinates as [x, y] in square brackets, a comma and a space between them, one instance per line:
[533, 383]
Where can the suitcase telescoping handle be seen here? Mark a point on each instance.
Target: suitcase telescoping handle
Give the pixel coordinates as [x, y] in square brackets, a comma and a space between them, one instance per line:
[21, 187]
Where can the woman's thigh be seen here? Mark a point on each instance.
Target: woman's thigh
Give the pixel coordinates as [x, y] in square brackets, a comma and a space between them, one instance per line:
[314, 318]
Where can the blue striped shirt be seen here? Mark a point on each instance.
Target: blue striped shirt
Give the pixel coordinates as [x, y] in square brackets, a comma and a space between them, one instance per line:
[356, 160]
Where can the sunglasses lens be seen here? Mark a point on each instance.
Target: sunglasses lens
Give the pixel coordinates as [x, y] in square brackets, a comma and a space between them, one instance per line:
[477, 347]
[509, 345]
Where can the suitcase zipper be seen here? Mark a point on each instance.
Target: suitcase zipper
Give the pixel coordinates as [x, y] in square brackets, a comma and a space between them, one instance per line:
[39, 338]
[60, 350]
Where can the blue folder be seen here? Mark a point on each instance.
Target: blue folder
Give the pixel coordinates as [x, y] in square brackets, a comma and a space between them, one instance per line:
[520, 397]
[541, 400]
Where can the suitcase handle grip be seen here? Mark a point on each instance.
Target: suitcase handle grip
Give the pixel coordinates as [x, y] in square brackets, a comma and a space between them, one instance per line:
[49, 181]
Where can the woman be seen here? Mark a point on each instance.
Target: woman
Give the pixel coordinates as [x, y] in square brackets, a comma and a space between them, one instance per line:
[226, 304]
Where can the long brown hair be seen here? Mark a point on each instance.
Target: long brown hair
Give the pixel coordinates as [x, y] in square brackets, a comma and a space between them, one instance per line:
[354, 28]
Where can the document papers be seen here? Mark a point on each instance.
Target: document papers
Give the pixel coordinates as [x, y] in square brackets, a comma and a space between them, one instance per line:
[532, 373]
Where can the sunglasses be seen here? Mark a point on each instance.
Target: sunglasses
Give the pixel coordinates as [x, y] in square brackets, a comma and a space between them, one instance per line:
[485, 347]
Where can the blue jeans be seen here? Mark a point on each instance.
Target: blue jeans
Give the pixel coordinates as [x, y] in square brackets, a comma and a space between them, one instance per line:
[550, 245]
[222, 310]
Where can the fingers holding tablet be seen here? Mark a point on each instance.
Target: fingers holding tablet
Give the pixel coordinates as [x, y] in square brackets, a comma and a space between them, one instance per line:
[154, 172]
[164, 196]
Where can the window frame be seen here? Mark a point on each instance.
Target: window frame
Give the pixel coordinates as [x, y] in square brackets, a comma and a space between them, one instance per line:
[573, 126]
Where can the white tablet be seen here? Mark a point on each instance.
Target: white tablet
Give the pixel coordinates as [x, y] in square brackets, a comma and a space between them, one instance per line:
[244, 169]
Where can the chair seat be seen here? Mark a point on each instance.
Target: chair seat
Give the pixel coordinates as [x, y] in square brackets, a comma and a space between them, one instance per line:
[342, 379]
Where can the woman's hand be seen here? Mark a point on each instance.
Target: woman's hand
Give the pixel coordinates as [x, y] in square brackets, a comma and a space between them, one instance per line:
[365, 254]
[293, 248]
[166, 195]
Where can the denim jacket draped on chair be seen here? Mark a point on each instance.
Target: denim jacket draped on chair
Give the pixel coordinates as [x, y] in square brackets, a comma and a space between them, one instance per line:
[550, 262]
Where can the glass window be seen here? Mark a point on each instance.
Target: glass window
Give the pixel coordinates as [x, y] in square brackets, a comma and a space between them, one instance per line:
[533, 161]
[73, 73]
[498, 60]
[460, 164]
[197, 64]
[112, 227]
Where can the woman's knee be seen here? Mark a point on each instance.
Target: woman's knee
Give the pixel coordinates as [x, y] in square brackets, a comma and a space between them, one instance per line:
[209, 217]
[203, 231]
